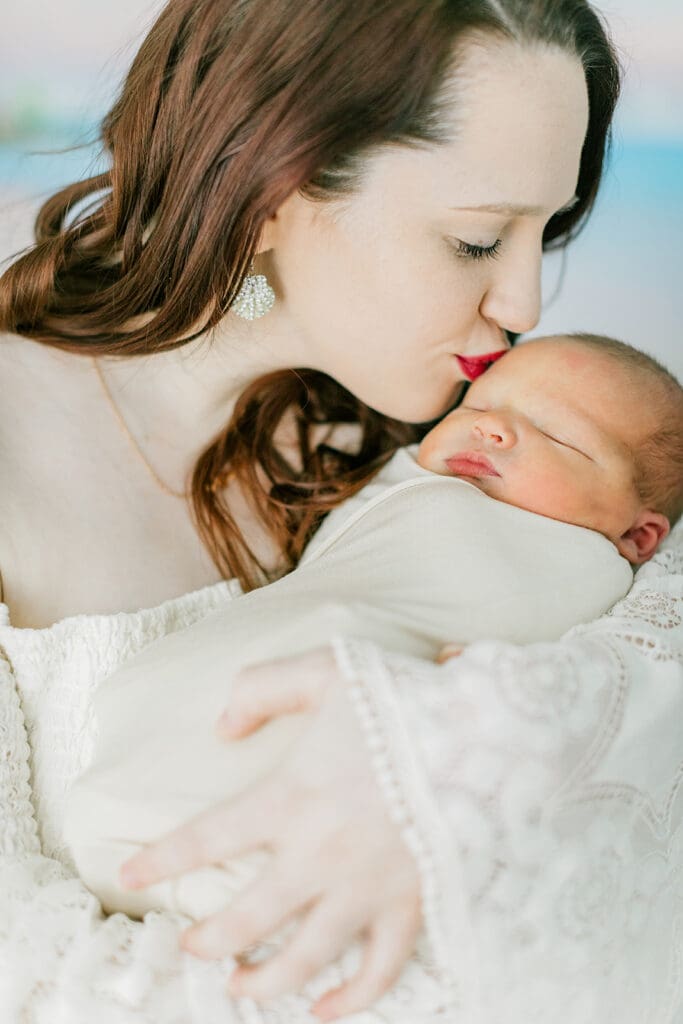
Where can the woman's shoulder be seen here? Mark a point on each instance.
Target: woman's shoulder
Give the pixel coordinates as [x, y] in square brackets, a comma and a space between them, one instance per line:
[33, 427]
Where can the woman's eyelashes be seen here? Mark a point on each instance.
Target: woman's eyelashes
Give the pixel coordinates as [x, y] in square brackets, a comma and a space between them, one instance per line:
[470, 251]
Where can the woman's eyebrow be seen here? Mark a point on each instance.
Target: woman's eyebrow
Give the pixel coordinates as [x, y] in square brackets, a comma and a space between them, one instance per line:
[517, 211]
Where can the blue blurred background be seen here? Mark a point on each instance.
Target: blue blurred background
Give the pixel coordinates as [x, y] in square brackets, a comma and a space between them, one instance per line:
[63, 63]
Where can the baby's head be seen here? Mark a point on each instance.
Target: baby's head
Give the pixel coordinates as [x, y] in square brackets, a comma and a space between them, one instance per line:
[579, 428]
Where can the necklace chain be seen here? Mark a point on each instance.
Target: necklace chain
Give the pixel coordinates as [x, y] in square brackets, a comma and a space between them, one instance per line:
[124, 426]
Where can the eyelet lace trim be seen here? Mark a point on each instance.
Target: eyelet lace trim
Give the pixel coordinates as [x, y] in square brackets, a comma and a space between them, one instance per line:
[410, 806]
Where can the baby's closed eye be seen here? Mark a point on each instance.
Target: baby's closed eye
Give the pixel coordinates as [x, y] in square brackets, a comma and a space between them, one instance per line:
[566, 444]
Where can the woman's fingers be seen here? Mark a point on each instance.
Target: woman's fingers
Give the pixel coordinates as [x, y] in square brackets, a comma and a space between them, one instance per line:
[389, 946]
[322, 936]
[266, 904]
[264, 691]
[260, 692]
[339, 862]
[226, 830]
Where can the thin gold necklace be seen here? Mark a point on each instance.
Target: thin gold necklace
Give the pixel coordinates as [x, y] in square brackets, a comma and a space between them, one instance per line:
[124, 426]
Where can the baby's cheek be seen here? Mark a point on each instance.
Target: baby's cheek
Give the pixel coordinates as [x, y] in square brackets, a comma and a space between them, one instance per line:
[610, 501]
[436, 446]
[552, 494]
[424, 453]
[598, 504]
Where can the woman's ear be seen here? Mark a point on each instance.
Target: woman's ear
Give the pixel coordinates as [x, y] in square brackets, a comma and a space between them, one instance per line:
[642, 539]
[267, 236]
[276, 226]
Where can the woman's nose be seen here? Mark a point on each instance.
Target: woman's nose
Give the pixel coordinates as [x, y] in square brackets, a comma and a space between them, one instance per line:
[513, 298]
[494, 430]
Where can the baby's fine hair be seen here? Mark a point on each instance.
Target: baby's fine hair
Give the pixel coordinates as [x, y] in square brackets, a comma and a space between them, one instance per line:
[659, 458]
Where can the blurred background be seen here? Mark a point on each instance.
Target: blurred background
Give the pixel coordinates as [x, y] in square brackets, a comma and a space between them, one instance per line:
[62, 64]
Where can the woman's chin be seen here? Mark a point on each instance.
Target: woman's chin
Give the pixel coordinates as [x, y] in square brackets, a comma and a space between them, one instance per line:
[415, 409]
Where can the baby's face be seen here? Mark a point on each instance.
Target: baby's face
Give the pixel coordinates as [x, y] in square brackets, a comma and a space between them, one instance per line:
[551, 427]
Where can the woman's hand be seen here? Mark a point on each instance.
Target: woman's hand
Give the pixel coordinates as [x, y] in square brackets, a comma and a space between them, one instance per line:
[338, 858]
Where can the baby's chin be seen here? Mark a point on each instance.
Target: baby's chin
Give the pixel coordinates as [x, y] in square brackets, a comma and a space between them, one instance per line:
[482, 482]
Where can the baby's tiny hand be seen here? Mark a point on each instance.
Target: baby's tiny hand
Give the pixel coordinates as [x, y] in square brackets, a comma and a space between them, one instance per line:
[449, 651]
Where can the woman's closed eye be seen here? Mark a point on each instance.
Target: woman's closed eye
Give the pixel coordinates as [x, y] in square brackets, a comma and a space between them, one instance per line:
[468, 250]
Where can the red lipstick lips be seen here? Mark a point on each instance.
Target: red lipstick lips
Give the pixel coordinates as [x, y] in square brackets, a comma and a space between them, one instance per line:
[474, 366]
[470, 464]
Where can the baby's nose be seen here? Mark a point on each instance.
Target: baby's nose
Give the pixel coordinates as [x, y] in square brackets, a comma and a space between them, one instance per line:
[494, 430]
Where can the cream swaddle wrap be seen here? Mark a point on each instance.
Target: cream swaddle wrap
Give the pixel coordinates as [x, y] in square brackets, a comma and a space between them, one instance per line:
[415, 560]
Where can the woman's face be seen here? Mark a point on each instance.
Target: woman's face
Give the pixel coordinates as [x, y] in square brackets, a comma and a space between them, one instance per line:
[383, 290]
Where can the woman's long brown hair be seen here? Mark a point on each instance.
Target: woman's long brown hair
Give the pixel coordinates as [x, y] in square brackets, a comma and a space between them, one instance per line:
[228, 108]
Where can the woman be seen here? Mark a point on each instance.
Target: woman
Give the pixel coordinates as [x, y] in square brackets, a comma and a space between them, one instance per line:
[393, 170]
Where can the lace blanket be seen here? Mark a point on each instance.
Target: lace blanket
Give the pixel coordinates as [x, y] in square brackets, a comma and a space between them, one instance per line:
[539, 789]
[545, 782]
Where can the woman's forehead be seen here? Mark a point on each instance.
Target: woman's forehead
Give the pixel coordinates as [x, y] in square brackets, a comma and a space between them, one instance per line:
[521, 123]
[518, 130]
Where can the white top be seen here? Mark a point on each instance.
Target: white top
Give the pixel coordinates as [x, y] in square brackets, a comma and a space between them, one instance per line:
[540, 789]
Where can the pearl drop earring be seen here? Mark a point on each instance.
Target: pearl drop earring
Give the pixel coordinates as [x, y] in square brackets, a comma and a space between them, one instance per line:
[255, 298]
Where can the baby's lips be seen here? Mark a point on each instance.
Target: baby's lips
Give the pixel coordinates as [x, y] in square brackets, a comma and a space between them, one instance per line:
[474, 366]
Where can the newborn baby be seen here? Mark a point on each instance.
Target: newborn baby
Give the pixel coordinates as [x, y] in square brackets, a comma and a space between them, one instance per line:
[580, 428]
[514, 519]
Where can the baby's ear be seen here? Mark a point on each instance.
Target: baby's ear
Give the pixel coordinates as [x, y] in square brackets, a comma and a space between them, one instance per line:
[641, 540]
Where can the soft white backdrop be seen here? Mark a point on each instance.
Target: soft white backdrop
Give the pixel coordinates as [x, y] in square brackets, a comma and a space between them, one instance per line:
[62, 63]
